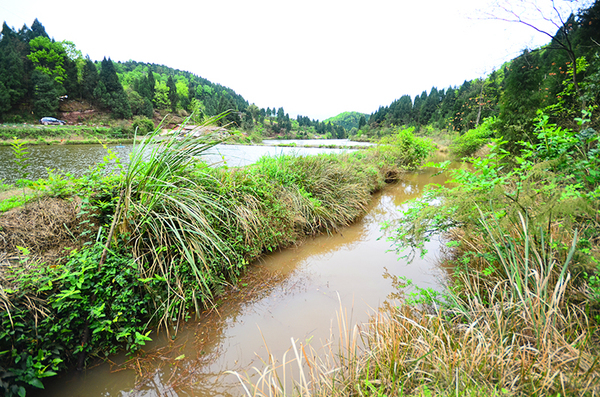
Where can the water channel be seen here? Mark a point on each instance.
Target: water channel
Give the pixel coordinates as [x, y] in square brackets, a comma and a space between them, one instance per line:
[293, 293]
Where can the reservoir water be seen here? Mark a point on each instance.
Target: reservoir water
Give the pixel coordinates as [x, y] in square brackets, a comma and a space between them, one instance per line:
[77, 159]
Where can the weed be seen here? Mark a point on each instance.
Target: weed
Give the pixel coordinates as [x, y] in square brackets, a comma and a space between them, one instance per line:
[21, 157]
[46, 307]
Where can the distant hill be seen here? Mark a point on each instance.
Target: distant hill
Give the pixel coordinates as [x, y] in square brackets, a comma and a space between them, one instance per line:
[348, 120]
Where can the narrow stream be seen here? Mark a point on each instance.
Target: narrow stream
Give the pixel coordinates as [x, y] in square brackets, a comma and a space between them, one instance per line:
[293, 293]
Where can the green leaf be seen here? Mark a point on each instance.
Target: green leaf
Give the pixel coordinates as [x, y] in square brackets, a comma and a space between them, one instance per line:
[35, 382]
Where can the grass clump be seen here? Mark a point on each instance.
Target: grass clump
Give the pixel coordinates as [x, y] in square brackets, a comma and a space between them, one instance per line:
[174, 230]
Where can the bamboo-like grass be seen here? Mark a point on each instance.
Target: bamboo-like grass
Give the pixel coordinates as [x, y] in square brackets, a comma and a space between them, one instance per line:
[512, 332]
[194, 227]
[169, 219]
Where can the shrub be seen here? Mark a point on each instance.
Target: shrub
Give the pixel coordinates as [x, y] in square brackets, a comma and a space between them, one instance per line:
[471, 141]
[142, 125]
[403, 149]
[47, 309]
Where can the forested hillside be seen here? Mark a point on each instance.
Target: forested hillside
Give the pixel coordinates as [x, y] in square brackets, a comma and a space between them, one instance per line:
[560, 79]
[349, 120]
[40, 77]
[39, 74]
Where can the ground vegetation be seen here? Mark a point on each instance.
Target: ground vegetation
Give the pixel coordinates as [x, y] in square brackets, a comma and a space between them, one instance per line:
[167, 232]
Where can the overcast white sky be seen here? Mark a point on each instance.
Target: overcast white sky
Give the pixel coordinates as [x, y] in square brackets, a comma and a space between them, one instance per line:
[316, 58]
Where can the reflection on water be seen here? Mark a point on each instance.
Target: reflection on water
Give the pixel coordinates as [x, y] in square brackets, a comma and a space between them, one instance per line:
[77, 159]
[292, 293]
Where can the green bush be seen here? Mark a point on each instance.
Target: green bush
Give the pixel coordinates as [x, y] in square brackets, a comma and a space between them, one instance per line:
[403, 149]
[50, 307]
[471, 141]
[142, 124]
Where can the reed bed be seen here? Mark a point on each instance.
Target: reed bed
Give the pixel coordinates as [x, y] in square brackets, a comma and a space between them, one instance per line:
[157, 243]
[512, 329]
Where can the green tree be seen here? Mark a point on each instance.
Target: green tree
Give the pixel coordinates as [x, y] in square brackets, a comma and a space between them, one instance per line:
[38, 30]
[48, 57]
[173, 97]
[151, 85]
[430, 105]
[521, 99]
[161, 96]
[402, 112]
[12, 68]
[280, 116]
[5, 104]
[45, 97]
[112, 95]
[89, 79]
[108, 76]
[362, 122]
[72, 84]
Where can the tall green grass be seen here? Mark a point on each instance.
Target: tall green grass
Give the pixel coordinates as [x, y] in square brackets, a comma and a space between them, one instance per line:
[168, 217]
[178, 229]
[197, 227]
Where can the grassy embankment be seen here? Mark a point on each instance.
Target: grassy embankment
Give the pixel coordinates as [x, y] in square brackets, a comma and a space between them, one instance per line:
[521, 312]
[67, 134]
[99, 261]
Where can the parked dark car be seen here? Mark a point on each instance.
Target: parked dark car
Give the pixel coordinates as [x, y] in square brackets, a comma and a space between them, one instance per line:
[52, 121]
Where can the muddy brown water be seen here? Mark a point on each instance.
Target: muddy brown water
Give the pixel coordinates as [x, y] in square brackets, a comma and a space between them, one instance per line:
[292, 293]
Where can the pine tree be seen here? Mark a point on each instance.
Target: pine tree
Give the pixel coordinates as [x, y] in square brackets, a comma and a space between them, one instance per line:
[112, 95]
[38, 30]
[12, 68]
[108, 76]
[362, 122]
[173, 97]
[430, 105]
[151, 85]
[71, 84]
[89, 79]
[5, 104]
[45, 97]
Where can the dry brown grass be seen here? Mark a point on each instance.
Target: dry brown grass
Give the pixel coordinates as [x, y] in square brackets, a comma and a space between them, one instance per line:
[511, 330]
[46, 227]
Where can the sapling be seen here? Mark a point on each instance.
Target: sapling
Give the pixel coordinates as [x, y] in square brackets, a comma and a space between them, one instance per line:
[21, 159]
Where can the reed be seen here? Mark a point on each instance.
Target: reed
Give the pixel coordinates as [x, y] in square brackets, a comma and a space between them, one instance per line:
[513, 331]
[168, 217]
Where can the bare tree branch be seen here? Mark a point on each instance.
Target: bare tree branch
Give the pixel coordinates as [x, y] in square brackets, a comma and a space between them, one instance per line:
[532, 16]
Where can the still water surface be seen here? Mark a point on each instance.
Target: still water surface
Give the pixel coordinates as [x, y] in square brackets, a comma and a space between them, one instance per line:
[77, 159]
[315, 142]
[293, 293]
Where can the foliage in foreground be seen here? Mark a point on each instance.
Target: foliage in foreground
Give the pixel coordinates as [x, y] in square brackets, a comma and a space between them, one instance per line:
[47, 308]
[521, 313]
[173, 232]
